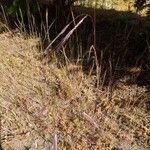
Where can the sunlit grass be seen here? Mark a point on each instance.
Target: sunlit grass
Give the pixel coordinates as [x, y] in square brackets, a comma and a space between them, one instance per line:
[40, 100]
[107, 4]
[51, 103]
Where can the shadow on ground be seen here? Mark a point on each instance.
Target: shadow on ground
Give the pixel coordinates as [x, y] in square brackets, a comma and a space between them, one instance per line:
[122, 42]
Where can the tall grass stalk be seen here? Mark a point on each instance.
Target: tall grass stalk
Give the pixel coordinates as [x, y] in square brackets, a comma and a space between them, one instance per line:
[5, 16]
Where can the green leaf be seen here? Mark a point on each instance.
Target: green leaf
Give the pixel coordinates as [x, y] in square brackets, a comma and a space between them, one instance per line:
[12, 10]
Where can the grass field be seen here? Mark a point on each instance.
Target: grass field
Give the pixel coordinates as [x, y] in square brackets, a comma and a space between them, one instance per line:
[47, 103]
[39, 101]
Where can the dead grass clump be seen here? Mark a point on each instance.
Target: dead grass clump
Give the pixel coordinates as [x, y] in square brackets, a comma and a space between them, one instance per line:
[45, 106]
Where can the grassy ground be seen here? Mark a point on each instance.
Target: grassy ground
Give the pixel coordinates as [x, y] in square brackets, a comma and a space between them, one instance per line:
[47, 103]
[55, 105]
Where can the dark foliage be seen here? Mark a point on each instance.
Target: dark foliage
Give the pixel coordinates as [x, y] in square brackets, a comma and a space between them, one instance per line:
[12, 6]
[141, 4]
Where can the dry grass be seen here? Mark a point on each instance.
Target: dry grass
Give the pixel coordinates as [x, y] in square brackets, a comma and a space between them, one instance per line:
[108, 4]
[44, 106]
